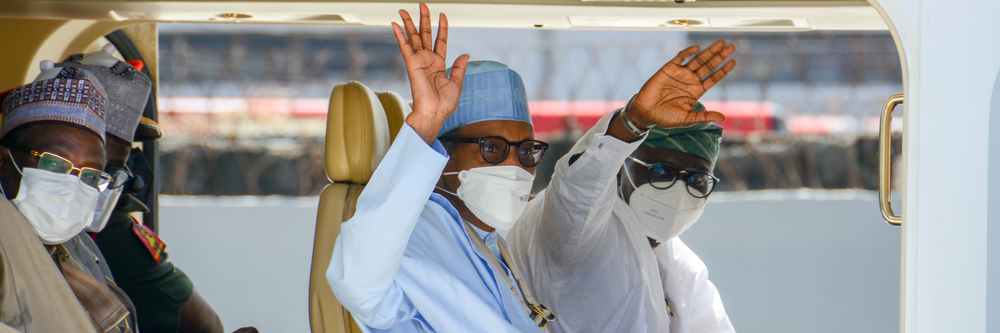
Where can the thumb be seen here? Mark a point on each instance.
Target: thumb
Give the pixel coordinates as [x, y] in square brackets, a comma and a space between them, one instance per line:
[698, 117]
[458, 70]
[713, 116]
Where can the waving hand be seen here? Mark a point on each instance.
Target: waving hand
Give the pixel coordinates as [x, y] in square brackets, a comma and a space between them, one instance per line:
[435, 95]
[667, 98]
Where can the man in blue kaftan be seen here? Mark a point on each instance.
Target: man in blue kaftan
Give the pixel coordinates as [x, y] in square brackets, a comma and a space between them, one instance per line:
[421, 253]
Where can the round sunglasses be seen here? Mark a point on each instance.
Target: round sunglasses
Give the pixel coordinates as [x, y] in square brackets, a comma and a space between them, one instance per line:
[662, 176]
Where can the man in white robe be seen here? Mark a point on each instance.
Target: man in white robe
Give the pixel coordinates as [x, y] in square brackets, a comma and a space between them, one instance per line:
[599, 245]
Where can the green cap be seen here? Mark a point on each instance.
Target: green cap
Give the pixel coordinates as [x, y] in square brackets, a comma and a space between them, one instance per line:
[702, 140]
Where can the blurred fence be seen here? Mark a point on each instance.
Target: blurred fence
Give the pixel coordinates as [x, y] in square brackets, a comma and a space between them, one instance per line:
[295, 168]
[243, 107]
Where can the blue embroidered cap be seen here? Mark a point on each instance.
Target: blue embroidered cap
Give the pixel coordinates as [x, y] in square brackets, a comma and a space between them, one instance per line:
[73, 96]
[490, 91]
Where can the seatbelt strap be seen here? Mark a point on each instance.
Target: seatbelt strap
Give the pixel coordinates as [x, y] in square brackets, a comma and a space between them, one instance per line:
[539, 313]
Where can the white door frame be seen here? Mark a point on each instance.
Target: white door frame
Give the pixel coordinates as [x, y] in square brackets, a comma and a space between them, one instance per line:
[950, 53]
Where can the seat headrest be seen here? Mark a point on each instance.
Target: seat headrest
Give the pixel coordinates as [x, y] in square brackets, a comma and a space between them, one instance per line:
[357, 134]
[396, 110]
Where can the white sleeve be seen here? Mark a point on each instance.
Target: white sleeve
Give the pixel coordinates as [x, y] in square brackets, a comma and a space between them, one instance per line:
[370, 246]
[695, 300]
[577, 202]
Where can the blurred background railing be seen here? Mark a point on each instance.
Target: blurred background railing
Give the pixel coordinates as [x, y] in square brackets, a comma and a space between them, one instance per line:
[243, 107]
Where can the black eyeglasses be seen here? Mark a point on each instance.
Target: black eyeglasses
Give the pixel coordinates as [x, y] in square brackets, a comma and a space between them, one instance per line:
[663, 176]
[495, 149]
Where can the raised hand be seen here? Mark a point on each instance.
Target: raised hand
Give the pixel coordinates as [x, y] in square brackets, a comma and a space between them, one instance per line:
[435, 95]
[667, 98]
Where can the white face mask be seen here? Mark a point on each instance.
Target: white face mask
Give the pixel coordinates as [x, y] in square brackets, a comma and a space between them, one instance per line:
[106, 203]
[57, 206]
[665, 213]
[495, 194]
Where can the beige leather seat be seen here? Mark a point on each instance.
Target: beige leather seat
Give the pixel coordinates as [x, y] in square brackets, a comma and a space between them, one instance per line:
[359, 130]
[396, 110]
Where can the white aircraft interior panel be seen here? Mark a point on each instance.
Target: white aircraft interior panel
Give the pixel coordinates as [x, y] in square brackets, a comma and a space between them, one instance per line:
[751, 15]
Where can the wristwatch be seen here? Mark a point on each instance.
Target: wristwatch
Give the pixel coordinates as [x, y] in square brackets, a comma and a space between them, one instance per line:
[631, 126]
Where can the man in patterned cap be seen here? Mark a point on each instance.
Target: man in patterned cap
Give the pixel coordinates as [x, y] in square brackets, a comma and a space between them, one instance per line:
[599, 245]
[165, 298]
[51, 174]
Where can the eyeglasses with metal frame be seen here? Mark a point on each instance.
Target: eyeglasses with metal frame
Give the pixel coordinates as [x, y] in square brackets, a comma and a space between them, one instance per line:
[54, 163]
[662, 176]
[495, 149]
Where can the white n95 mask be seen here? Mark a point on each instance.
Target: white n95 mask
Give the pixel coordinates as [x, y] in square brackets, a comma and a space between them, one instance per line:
[106, 203]
[495, 194]
[665, 213]
[57, 206]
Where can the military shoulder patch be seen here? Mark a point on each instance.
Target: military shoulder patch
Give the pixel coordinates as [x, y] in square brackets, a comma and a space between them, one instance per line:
[150, 240]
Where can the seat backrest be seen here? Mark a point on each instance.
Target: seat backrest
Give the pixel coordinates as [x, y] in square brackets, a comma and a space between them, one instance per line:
[396, 110]
[357, 137]
[357, 133]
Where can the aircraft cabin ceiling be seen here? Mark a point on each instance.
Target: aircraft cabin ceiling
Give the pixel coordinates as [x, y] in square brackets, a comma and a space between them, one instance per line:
[705, 15]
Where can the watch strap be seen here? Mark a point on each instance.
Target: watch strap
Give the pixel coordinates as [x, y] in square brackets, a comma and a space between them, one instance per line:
[629, 124]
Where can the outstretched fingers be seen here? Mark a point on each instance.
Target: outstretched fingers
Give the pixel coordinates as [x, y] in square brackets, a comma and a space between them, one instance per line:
[411, 31]
[702, 58]
[684, 54]
[715, 61]
[404, 46]
[426, 38]
[717, 77]
[441, 46]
